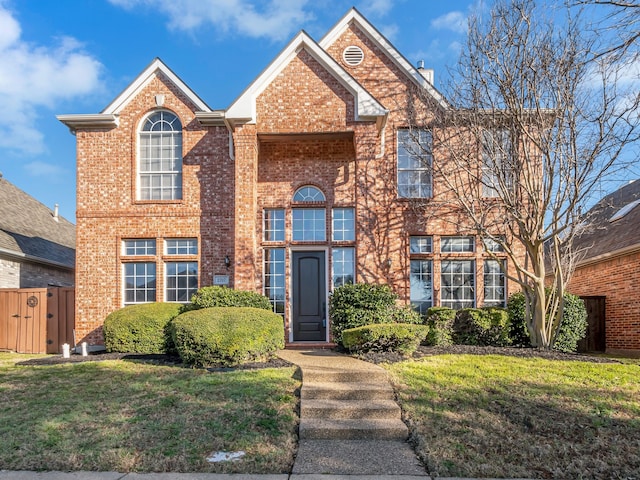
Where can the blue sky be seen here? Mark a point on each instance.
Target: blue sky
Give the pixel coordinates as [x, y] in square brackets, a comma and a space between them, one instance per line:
[75, 56]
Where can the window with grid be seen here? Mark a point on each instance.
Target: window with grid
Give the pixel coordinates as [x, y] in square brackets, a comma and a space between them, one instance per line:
[491, 245]
[343, 265]
[139, 246]
[274, 225]
[414, 163]
[421, 282]
[495, 292]
[274, 279]
[309, 225]
[139, 282]
[181, 246]
[457, 284]
[181, 281]
[343, 225]
[308, 194]
[497, 162]
[456, 244]
[160, 157]
[420, 244]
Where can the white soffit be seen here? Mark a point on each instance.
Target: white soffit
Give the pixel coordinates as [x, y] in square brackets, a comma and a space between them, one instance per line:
[355, 17]
[243, 109]
[143, 80]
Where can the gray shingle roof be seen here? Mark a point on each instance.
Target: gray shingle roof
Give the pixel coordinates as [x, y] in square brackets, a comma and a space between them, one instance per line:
[604, 236]
[28, 227]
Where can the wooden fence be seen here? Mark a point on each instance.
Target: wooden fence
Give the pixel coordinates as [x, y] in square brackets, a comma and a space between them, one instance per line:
[36, 320]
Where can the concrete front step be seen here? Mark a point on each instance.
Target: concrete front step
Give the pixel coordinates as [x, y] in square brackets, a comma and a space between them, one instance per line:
[344, 376]
[347, 391]
[346, 409]
[343, 429]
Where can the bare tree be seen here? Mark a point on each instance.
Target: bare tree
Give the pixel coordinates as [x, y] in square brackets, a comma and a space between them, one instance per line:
[534, 124]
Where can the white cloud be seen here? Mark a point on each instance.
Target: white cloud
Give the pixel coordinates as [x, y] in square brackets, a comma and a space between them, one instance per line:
[33, 77]
[377, 7]
[455, 21]
[274, 20]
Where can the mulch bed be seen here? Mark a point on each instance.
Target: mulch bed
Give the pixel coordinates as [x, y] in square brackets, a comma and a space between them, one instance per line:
[372, 357]
[390, 357]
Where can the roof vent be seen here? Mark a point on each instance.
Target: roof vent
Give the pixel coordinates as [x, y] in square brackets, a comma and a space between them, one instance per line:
[624, 210]
[353, 55]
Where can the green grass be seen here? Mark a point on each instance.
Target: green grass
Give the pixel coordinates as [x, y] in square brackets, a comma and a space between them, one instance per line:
[129, 416]
[499, 416]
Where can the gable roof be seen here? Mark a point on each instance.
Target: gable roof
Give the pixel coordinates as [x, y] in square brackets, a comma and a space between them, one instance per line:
[243, 109]
[354, 17]
[108, 118]
[29, 230]
[604, 237]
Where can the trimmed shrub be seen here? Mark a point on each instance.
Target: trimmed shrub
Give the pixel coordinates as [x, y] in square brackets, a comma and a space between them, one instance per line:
[140, 328]
[227, 335]
[355, 305]
[573, 326]
[440, 322]
[216, 296]
[389, 337]
[483, 327]
[404, 314]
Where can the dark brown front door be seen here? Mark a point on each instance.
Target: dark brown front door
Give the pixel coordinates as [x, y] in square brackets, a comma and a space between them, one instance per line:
[309, 297]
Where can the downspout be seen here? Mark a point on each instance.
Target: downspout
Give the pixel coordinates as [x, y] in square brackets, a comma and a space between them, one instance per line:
[382, 129]
[232, 154]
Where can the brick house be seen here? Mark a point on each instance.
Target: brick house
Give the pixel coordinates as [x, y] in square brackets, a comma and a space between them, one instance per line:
[37, 246]
[308, 180]
[610, 268]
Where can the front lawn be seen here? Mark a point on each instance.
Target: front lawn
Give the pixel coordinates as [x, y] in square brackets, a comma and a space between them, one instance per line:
[119, 415]
[503, 416]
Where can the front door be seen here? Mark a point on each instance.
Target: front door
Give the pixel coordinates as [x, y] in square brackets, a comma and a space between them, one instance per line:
[309, 297]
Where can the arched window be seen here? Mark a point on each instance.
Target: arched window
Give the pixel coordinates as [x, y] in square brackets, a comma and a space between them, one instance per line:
[160, 157]
[308, 194]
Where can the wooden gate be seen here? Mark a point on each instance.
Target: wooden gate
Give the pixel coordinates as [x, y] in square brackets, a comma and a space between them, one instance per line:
[36, 320]
[595, 339]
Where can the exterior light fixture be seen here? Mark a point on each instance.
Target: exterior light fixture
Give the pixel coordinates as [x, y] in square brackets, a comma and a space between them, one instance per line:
[227, 262]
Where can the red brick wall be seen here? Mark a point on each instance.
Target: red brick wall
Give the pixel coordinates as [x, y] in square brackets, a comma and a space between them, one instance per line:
[617, 279]
[107, 209]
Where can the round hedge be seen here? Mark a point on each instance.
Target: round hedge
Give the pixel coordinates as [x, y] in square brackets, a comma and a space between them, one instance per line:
[227, 336]
[140, 328]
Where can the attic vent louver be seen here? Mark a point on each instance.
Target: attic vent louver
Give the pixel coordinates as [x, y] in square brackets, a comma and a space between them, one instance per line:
[353, 55]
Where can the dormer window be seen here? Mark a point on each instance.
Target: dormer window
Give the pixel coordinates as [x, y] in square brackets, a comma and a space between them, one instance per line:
[160, 157]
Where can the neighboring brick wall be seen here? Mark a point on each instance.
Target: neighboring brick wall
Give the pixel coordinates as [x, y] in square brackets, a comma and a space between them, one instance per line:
[617, 279]
[15, 274]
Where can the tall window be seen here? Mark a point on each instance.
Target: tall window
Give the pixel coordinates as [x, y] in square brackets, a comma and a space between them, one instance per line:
[274, 225]
[343, 266]
[343, 225]
[139, 282]
[274, 280]
[414, 163]
[458, 283]
[181, 281]
[309, 224]
[497, 162]
[494, 284]
[160, 157]
[421, 292]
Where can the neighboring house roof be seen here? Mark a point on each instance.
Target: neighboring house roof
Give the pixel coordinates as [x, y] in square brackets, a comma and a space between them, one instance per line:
[29, 230]
[243, 109]
[611, 230]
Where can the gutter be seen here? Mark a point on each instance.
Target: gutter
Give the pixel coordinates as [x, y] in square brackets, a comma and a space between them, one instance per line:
[31, 258]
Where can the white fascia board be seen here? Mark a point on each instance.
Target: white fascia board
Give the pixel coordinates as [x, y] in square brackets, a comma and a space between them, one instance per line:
[353, 16]
[243, 109]
[88, 120]
[143, 80]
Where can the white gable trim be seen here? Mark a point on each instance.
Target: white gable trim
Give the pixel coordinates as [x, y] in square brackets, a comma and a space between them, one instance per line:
[149, 73]
[243, 109]
[355, 17]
